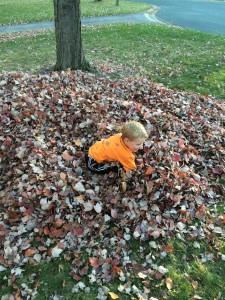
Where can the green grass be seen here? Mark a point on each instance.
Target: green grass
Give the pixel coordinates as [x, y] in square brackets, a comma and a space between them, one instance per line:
[185, 268]
[27, 11]
[178, 58]
[189, 276]
[57, 281]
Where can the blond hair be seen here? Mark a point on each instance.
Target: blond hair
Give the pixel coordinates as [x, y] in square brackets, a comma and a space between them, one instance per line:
[133, 130]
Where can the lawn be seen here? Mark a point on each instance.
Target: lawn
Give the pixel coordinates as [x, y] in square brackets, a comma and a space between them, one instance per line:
[27, 11]
[178, 58]
[182, 264]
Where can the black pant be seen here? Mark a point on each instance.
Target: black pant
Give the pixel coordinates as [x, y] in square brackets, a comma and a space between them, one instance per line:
[100, 168]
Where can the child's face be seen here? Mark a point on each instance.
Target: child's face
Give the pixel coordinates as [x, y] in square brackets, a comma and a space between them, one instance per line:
[134, 145]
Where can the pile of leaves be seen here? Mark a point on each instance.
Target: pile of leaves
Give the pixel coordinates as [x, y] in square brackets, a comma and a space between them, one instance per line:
[51, 205]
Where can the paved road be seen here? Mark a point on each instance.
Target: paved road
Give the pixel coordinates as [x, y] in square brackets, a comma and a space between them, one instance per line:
[202, 15]
[129, 18]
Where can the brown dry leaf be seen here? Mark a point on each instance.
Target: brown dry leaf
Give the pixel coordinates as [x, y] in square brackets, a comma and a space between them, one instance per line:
[176, 157]
[168, 248]
[94, 262]
[77, 143]
[158, 276]
[123, 186]
[149, 171]
[142, 275]
[63, 175]
[181, 143]
[30, 252]
[113, 295]
[48, 123]
[114, 213]
[66, 156]
[59, 222]
[169, 283]
[78, 231]
[194, 284]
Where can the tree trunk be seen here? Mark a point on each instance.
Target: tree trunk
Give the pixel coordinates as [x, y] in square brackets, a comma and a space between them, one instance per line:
[69, 52]
[117, 2]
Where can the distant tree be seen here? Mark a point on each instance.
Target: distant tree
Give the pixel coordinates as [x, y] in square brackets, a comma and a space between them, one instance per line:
[69, 51]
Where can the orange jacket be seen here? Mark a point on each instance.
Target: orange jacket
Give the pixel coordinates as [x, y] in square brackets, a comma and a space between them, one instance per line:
[113, 149]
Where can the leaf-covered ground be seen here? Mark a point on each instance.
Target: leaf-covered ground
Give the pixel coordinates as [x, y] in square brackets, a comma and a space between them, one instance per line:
[51, 206]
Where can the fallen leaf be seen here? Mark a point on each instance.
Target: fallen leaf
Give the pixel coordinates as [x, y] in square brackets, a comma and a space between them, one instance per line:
[196, 297]
[30, 252]
[194, 284]
[79, 187]
[56, 251]
[66, 156]
[162, 270]
[98, 207]
[78, 231]
[142, 275]
[88, 206]
[123, 186]
[176, 157]
[168, 248]
[169, 283]
[113, 295]
[149, 171]
[63, 175]
[94, 262]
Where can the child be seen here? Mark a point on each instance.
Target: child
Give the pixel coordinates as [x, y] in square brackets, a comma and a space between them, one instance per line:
[117, 148]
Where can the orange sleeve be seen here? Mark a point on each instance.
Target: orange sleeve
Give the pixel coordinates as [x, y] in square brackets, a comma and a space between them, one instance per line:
[113, 149]
[127, 160]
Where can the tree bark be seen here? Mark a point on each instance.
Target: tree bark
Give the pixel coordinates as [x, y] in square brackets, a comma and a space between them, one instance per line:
[69, 52]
